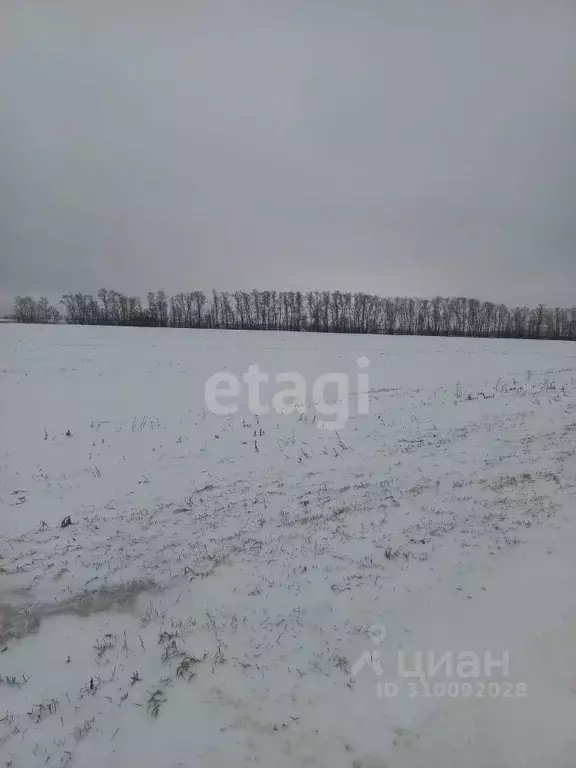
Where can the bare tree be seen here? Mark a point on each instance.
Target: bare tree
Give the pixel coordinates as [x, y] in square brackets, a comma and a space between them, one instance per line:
[318, 311]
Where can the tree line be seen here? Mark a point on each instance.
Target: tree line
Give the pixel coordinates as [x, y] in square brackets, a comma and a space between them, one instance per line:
[319, 311]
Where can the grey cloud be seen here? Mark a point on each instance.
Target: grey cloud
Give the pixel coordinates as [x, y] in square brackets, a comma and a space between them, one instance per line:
[396, 147]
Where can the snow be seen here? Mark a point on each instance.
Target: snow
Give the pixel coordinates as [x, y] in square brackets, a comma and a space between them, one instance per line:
[241, 586]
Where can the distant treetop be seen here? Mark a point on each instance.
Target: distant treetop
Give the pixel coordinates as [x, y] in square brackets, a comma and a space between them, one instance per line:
[317, 311]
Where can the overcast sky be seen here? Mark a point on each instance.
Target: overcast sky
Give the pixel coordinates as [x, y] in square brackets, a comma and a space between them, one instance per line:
[394, 146]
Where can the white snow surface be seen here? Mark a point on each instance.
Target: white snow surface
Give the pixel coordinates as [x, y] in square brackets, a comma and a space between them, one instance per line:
[208, 602]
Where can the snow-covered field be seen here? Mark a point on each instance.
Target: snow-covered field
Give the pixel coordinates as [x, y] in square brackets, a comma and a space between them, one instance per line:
[209, 601]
